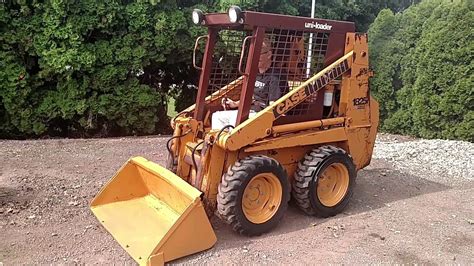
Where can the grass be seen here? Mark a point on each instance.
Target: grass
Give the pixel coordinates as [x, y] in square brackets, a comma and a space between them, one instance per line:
[171, 107]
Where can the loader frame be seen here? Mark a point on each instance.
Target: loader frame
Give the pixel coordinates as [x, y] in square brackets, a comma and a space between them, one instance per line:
[159, 214]
[346, 65]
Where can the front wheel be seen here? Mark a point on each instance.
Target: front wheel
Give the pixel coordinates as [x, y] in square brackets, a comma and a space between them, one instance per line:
[324, 181]
[253, 195]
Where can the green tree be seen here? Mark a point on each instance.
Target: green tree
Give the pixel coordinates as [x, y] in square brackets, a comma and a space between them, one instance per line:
[92, 67]
[424, 69]
[271, 6]
[83, 68]
[362, 12]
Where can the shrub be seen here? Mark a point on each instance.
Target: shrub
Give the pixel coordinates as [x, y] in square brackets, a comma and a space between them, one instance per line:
[424, 61]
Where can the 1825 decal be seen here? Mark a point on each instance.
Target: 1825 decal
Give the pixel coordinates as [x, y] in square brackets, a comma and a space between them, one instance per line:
[361, 101]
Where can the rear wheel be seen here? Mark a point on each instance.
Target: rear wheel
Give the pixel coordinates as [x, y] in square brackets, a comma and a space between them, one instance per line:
[324, 181]
[253, 195]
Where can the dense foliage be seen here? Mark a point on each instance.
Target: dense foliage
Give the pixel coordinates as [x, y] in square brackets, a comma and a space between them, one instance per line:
[102, 68]
[91, 67]
[362, 12]
[423, 58]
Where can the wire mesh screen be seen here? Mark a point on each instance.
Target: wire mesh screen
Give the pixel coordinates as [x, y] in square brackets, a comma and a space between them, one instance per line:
[225, 62]
[296, 56]
[287, 59]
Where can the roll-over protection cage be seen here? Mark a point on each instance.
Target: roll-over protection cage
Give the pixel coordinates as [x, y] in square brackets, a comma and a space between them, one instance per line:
[228, 61]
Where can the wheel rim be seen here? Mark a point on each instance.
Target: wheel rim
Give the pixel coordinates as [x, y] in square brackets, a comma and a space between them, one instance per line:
[262, 197]
[333, 184]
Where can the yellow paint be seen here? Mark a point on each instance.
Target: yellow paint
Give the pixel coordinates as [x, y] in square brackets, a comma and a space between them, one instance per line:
[152, 213]
[333, 185]
[307, 125]
[262, 198]
[213, 170]
[290, 102]
[157, 216]
[288, 157]
[361, 119]
[192, 126]
[259, 126]
[304, 138]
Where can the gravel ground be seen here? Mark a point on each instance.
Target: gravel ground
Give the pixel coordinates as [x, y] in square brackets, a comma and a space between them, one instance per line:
[413, 204]
[444, 161]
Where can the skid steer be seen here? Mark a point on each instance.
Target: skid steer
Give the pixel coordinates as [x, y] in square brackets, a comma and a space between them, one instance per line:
[302, 125]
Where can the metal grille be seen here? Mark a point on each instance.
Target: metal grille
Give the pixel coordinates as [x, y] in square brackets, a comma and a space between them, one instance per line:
[297, 56]
[225, 62]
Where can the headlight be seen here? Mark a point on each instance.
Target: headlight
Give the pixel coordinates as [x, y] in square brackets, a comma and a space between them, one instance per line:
[198, 17]
[235, 14]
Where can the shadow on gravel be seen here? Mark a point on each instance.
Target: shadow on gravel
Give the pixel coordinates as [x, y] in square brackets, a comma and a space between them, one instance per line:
[375, 188]
[11, 194]
[14, 199]
[10, 198]
[6, 193]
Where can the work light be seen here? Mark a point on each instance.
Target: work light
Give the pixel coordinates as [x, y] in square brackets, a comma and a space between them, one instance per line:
[235, 14]
[198, 17]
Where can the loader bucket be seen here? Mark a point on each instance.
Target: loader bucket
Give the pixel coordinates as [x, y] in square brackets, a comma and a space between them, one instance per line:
[153, 214]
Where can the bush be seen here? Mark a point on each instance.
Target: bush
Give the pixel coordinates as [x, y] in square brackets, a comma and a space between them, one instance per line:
[105, 68]
[424, 61]
[84, 68]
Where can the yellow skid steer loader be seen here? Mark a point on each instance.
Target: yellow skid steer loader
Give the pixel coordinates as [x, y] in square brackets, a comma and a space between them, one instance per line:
[283, 109]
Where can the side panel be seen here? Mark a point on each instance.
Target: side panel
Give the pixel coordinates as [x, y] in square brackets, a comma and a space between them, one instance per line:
[356, 103]
[310, 137]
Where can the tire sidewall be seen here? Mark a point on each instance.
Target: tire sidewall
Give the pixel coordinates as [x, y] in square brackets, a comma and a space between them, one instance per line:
[333, 158]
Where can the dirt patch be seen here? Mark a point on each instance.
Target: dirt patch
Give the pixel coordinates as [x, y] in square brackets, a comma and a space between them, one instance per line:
[397, 215]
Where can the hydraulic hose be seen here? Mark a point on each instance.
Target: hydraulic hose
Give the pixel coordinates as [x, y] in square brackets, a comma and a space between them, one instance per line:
[168, 143]
[222, 130]
[192, 155]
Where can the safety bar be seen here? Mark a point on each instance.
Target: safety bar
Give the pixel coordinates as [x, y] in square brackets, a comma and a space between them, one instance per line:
[242, 51]
[196, 45]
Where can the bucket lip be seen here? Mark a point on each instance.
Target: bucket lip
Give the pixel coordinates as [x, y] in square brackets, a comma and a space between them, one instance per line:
[93, 203]
[171, 178]
[192, 193]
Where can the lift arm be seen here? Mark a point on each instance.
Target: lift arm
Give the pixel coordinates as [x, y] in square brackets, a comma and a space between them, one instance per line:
[260, 126]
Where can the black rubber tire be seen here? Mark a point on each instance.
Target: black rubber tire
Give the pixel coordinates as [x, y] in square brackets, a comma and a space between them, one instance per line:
[231, 189]
[307, 175]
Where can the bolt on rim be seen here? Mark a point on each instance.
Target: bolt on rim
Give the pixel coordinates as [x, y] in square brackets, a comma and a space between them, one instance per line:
[333, 184]
[262, 198]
